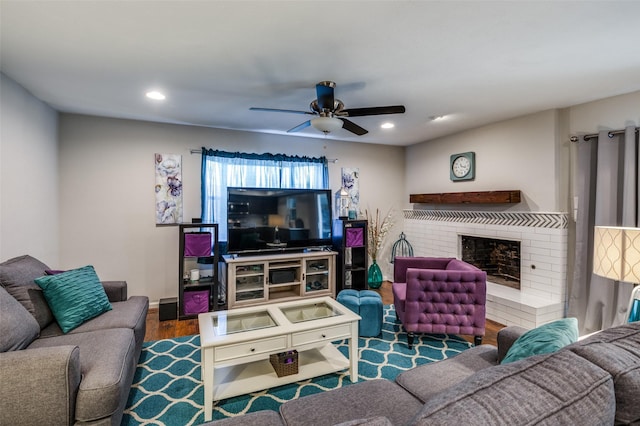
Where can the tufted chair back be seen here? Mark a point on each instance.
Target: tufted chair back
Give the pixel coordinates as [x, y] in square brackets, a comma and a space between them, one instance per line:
[439, 295]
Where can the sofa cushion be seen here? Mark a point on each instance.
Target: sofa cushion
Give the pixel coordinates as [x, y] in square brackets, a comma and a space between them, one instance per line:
[74, 296]
[428, 380]
[18, 327]
[543, 340]
[551, 389]
[107, 362]
[361, 400]
[262, 418]
[129, 314]
[369, 421]
[17, 276]
[617, 351]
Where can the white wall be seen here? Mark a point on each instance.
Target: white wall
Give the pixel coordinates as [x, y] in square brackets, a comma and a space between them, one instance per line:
[107, 198]
[28, 175]
[606, 114]
[531, 153]
[520, 153]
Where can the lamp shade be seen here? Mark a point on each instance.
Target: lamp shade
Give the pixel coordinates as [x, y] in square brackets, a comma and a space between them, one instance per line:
[616, 253]
[275, 220]
[326, 124]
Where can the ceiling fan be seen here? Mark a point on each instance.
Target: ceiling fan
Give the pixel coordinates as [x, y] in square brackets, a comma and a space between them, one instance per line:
[330, 113]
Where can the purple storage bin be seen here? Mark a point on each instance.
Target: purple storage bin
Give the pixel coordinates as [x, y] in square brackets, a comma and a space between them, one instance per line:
[354, 237]
[196, 302]
[197, 244]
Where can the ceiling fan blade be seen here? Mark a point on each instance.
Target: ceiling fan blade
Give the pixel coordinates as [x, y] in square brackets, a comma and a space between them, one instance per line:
[353, 127]
[292, 111]
[324, 90]
[300, 127]
[360, 112]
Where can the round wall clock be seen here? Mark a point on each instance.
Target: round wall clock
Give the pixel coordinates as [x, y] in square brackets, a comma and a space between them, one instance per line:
[462, 166]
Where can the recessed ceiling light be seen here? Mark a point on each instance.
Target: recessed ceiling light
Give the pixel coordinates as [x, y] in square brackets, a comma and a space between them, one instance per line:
[387, 125]
[155, 95]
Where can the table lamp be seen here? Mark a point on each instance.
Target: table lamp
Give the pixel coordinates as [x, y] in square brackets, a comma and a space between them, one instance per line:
[616, 255]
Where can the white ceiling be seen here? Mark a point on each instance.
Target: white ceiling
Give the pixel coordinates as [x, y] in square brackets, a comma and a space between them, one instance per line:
[476, 62]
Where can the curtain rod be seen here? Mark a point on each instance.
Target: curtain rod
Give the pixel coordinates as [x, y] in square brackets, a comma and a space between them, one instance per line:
[611, 134]
[199, 151]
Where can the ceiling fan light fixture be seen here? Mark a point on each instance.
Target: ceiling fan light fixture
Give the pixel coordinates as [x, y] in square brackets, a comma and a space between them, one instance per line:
[326, 124]
[387, 125]
[155, 95]
[330, 114]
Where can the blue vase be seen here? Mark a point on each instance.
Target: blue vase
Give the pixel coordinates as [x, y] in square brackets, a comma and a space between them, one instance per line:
[374, 277]
[634, 314]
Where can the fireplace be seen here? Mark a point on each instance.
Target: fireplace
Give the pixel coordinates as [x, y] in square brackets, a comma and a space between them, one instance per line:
[500, 259]
[542, 239]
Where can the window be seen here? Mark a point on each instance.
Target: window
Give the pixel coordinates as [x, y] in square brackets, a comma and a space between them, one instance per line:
[224, 169]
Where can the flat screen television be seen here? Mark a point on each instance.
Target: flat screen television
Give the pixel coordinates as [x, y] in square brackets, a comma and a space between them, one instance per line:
[275, 219]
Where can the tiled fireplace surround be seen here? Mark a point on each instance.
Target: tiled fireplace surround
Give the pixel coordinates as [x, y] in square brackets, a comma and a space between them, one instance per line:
[543, 252]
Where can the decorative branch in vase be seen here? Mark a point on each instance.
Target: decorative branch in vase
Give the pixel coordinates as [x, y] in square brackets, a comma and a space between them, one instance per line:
[377, 230]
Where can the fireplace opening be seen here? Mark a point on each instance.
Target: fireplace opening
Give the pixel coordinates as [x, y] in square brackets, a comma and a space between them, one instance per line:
[500, 259]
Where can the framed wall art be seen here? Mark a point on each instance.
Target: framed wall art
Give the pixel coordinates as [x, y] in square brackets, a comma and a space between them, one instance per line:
[168, 188]
[350, 178]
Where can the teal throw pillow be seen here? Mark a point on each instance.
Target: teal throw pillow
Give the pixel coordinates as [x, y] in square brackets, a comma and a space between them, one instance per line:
[74, 296]
[545, 339]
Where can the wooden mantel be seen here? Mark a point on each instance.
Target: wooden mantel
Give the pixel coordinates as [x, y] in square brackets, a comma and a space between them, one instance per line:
[482, 197]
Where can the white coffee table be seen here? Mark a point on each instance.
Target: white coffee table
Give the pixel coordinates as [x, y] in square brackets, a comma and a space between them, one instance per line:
[236, 345]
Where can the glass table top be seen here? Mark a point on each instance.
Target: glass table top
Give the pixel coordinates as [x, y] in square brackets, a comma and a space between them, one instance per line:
[231, 323]
[312, 311]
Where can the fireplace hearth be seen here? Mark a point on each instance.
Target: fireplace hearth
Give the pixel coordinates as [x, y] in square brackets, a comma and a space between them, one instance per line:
[500, 259]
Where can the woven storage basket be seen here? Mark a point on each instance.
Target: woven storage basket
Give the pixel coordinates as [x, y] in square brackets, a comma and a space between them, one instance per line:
[285, 363]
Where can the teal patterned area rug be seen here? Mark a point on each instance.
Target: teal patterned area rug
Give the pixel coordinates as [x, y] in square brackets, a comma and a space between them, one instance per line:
[167, 389]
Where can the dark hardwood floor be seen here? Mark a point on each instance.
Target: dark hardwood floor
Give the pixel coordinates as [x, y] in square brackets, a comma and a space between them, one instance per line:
[157, 329]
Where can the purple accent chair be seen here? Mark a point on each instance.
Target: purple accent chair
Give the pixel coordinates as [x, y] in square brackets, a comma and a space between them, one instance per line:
[439, 295]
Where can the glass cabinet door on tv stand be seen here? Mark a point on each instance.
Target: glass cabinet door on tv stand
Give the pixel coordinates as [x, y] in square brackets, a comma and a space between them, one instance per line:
[199, 287]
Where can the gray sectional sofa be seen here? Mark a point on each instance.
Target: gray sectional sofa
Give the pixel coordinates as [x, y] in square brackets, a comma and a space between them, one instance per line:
[48, 377]
[595, 381]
